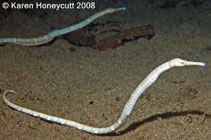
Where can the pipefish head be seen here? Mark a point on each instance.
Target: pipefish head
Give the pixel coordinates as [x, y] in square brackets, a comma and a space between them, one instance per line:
[177, 62]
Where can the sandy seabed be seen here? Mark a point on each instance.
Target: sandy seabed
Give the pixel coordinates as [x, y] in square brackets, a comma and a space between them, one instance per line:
[92, 87]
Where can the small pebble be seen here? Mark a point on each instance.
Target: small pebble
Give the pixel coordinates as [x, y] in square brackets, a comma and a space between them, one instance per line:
[91, 102]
